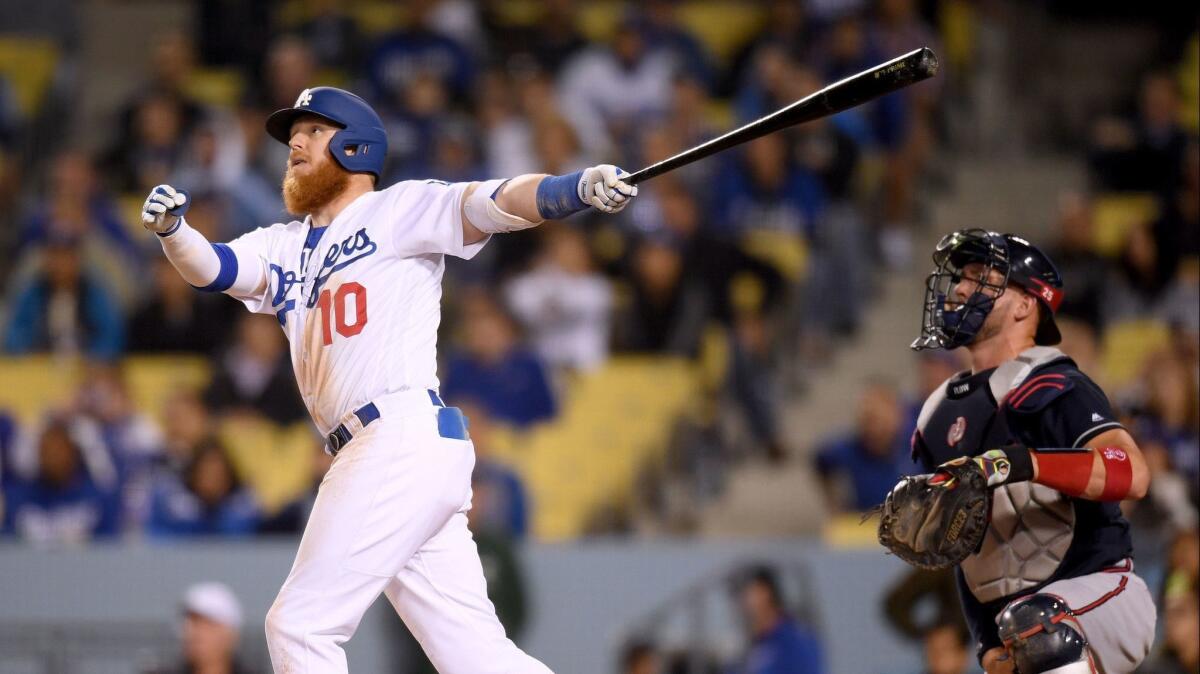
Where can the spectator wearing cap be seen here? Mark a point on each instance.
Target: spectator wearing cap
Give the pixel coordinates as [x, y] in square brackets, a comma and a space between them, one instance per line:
[778, 643]
[207, 500]
[212, 623]
[64, 309]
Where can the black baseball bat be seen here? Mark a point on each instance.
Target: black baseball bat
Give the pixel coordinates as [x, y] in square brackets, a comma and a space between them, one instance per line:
[915, 66]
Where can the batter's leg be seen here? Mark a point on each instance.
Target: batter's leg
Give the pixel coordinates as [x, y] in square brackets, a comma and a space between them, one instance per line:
[384, 496]
[442, 597]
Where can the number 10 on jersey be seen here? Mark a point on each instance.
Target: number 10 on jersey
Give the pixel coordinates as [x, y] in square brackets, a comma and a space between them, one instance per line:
[346, 323]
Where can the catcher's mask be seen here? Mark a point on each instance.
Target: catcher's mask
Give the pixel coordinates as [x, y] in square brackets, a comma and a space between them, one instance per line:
[949, 322]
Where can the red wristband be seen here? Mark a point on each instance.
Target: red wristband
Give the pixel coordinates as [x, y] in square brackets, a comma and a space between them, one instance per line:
[1118, 473]
[1067, 470]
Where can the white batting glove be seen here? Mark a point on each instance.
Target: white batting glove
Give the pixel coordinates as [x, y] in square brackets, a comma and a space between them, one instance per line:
[164, 208]
[602, 187]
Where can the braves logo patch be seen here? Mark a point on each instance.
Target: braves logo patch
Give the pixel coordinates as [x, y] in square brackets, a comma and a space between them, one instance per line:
[957, 430]
[1115, 454]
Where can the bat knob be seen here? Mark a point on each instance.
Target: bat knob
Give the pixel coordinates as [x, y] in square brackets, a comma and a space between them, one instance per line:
[927, 63]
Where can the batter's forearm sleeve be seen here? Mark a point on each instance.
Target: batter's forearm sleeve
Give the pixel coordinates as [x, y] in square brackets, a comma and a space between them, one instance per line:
[211, 267]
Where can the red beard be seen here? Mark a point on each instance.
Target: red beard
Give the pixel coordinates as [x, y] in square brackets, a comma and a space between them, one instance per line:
[304, 194]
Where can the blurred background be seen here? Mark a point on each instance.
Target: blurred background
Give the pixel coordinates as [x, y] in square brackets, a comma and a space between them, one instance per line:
[679, 413]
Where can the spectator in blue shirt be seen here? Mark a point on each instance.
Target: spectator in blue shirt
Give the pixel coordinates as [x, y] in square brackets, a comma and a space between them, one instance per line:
[61, 503]
[508, 381]
[778, 644]
[499, 502]
[869, 460]
[208, 500]
[64, 309]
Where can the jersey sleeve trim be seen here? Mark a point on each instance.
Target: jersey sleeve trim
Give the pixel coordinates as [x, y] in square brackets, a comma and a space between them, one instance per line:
[1094, 431]
[228, 272]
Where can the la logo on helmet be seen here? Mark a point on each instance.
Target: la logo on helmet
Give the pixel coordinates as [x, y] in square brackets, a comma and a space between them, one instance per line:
[304, 99]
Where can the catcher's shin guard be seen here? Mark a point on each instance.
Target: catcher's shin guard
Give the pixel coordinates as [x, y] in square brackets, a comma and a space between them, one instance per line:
[1043, 636]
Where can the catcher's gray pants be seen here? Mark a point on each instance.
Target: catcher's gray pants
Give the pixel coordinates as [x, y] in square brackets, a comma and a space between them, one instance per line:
[1114, 611]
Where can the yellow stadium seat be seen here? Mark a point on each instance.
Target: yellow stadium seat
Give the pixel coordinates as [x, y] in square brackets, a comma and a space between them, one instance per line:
[786, 251]
[28, 64]
[615, 421]
[276, 462]
[1114, 215]
[1126, 347]
[153, 379]
[220, 87]
[723, 26]
[32, 385]
[848, 531]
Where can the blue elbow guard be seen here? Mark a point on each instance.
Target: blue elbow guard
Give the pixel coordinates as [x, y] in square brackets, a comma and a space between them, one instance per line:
[558, 196]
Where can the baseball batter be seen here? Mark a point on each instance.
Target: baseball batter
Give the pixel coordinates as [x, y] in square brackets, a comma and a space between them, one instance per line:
[356, 287]
[1051, 586]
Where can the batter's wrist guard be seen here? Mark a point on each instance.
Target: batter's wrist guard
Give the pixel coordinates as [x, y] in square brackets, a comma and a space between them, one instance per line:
[558, 196]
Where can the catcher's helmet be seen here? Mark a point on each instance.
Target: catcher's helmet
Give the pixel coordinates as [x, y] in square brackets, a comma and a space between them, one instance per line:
[948, 323]
[361, 127]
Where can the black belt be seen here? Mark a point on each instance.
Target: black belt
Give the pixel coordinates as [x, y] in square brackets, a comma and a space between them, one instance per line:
[366, 414]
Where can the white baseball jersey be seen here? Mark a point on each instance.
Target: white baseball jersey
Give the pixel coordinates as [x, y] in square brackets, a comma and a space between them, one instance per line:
[360, 300]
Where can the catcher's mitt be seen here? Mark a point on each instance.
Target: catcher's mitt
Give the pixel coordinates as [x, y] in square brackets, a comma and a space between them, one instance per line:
[934, 521]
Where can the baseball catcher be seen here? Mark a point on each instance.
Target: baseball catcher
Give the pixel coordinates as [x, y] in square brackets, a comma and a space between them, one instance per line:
[1026, 466]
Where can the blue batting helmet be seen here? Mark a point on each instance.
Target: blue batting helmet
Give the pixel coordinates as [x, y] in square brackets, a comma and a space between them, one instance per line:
[361, 127]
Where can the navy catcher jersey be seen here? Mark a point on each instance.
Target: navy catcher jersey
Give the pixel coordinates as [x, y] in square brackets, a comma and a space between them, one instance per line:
[1049, 404]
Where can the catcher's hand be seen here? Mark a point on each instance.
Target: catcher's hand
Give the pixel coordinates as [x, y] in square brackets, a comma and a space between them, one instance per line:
[934, 521]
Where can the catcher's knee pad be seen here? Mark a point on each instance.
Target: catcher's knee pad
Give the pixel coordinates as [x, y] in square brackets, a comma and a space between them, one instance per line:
[1041, 633]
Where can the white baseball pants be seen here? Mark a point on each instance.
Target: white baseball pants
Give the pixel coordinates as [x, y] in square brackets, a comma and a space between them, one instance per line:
[390, 516]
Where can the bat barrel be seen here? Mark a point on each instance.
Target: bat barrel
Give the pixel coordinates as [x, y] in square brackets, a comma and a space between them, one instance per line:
[915, 66]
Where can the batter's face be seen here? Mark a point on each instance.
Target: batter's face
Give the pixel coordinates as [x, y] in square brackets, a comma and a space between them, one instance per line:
[312, 178]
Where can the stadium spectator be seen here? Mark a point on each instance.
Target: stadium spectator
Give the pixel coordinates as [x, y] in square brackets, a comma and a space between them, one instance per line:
[156, 117]
[1179, 651]
[64, 308]
[495, 369]
[210, 631]
[608, 92]
[549, 40]
[663, 28]
[208, 499]
[254, 375]
[668, 310]
[187, 422]
[1142, 153]
[755, 381]
[1082, 269]
[216, 165]
[77, 206]
[778, 644]
[564, 305]
[61, 502]
[1146, 285]
[333, 34]
[946, 649]
[922, 601]
[641, 657]
[500, 504]
[175, 318]
[419, 51]
[133, 439]
[760, 186]
[857, 470]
